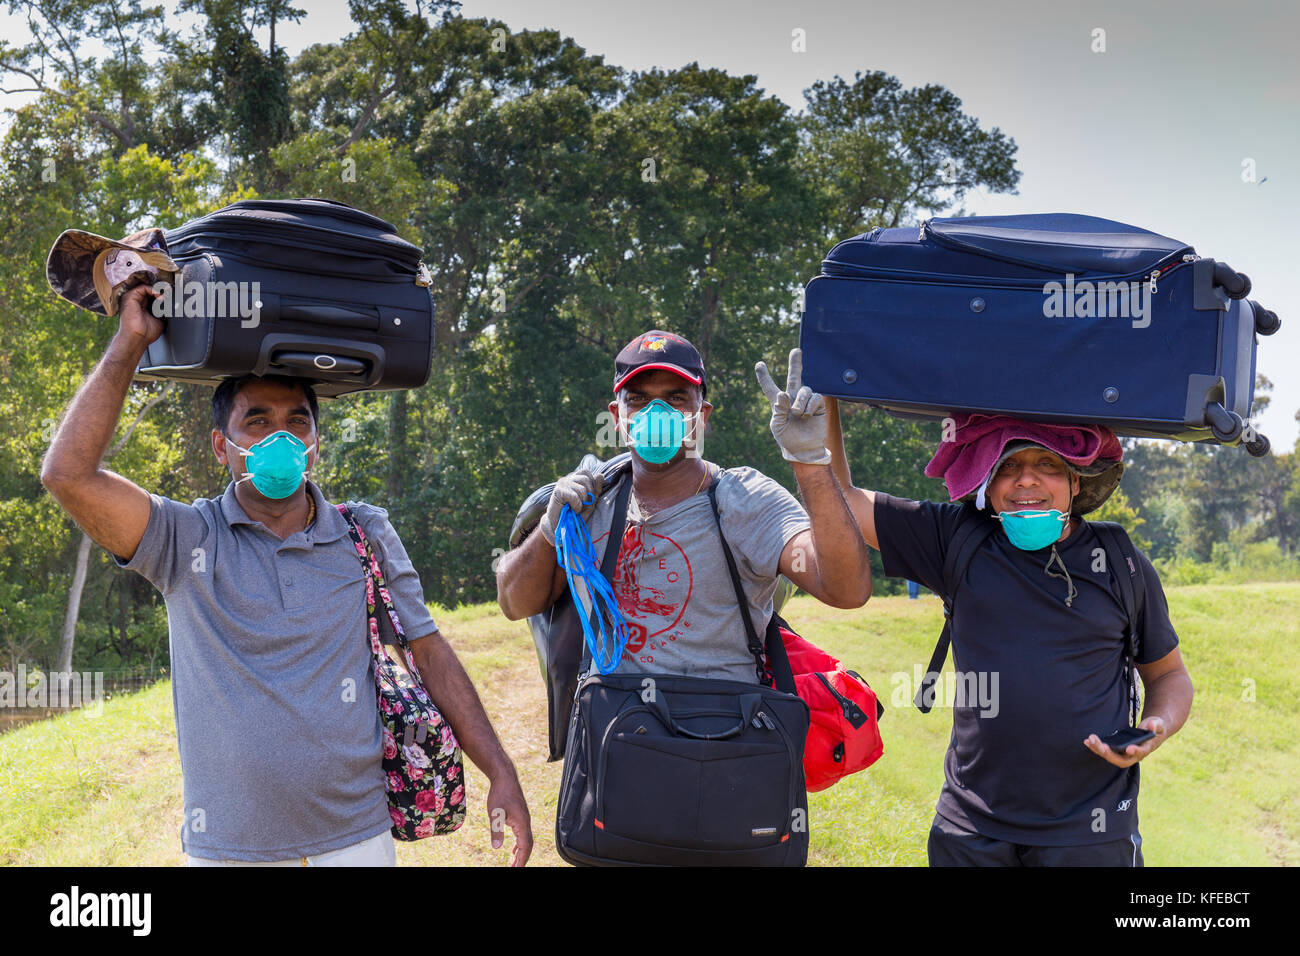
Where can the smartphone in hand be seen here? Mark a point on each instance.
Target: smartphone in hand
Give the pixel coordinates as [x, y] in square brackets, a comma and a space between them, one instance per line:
[1120, 739]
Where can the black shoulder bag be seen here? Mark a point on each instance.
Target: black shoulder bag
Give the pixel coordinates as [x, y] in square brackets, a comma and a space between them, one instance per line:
[686, 771]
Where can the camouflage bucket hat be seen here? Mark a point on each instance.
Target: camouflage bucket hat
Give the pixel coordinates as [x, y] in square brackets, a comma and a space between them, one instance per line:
[1097, 480]
[92, 272]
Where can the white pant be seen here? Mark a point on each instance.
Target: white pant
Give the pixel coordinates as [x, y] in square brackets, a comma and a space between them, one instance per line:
[377, 851]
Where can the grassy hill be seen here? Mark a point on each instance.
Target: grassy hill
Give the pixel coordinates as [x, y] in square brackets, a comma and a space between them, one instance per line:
[85, 789]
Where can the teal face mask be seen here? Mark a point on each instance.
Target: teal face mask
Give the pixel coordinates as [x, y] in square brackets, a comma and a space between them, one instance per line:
[656, 432]
[1032, 530]
[276, 464]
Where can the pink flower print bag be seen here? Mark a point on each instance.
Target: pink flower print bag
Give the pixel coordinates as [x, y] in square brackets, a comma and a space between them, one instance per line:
[422, 759]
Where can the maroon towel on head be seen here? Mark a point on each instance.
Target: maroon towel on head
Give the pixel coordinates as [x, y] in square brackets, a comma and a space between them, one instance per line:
[964, 462]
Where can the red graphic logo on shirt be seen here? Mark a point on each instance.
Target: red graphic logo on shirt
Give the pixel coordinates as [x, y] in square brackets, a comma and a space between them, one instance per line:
[652, 582]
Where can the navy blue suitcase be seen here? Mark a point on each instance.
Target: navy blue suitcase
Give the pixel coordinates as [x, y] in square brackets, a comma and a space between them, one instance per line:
[1054, 318]
[342, 299]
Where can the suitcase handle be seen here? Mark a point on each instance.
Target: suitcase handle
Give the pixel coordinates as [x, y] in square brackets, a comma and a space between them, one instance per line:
[749, 705]
[346, 354]
[279, 308]
[319, 362]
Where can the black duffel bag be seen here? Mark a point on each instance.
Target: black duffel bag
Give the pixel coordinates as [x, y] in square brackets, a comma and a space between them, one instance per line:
[341, 299]
[686, 771]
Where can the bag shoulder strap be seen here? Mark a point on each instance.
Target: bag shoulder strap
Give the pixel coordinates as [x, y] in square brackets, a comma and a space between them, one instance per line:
[973, 529]
[777, 658]
[1132, 586]
[616, 525]
[782, 676]
[373, 570]
[610, 557]
[374, 597]
[1132, 590]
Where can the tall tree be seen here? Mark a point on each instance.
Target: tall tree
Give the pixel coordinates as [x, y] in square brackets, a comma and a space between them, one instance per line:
[248, 85]
[882, 155]
[111, 98]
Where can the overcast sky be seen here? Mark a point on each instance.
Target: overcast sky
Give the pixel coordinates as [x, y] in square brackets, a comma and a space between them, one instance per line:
[1153, 131]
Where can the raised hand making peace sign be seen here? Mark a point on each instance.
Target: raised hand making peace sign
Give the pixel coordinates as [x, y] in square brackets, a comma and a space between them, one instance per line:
[798, 414]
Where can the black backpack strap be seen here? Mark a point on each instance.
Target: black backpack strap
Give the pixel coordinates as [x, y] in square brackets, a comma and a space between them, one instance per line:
[972, 531]
[1132, 589]
[782, 676]
[1132, 586]
[616, 524]
[777, 659]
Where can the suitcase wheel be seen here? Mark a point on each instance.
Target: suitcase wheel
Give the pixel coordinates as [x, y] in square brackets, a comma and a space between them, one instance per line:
[1259, 447]
[1236, 284]
[1226, 426]
[1266, 320]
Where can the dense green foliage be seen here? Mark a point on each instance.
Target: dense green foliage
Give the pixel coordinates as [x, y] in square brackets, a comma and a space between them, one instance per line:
[564, 205]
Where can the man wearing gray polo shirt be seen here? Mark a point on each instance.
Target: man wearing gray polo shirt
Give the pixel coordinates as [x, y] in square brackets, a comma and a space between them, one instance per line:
[278, 732]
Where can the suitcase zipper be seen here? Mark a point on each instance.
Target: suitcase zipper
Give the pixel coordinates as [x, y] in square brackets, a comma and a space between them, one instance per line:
[796, 776]
[957, 244]
[183, 258]
[329, 207]
[299, 234]
[849, 270]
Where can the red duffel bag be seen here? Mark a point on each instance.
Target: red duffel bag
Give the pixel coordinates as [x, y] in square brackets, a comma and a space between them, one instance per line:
[844, 732]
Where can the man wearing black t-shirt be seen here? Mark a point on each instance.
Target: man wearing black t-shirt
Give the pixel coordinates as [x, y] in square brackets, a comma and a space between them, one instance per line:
[1028, 781]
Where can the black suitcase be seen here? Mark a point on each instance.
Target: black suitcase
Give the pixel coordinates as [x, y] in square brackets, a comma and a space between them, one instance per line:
[1055, 318]
[339, 298]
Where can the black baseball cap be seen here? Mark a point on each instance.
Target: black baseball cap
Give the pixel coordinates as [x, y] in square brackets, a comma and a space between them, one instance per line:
[657, 349]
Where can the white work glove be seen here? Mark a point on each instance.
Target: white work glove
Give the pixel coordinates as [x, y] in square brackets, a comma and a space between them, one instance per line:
[580, 491]
[798, 414]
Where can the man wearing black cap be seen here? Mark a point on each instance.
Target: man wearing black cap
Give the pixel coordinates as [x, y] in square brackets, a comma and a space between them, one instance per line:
[671, 580]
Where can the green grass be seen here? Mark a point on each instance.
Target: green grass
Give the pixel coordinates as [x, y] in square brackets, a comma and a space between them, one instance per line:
[84, 789]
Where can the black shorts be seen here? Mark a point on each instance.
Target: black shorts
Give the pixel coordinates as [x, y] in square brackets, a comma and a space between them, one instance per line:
[951, 845]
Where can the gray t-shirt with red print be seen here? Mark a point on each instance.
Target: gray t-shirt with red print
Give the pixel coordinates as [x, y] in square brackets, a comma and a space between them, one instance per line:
[671, 578]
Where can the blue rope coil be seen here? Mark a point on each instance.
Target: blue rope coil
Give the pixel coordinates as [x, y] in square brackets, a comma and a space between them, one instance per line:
[574, 553]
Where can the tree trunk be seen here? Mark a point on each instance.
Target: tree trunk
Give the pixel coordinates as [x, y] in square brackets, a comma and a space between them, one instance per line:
[709, 313]
[708, 317]
[83, 550]
[397, 456]
[74, 604]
